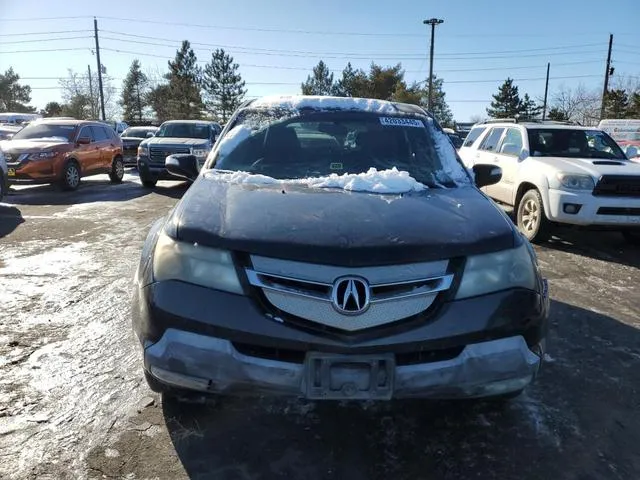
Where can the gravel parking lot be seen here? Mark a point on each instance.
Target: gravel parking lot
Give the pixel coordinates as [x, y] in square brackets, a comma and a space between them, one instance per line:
[73, 403]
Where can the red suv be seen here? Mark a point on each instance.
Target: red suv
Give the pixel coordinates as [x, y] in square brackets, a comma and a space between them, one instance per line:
[63, 151]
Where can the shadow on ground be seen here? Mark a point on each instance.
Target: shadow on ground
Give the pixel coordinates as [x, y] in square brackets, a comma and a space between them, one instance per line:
[605, 246]
[578, 421]
[10, 218]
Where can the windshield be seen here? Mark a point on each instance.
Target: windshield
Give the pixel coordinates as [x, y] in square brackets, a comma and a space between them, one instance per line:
[324, 143]
[137, 132]
[573, 143]
[184, 130]
[46, 131]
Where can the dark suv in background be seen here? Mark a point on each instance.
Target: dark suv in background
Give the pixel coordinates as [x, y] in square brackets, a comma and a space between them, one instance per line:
[194, 137]
[131, 139]
[337, 248]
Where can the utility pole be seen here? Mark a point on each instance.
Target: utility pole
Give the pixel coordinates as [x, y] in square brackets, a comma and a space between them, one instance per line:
[546, 91]
[607, 73]
[93, 109]
[95, 32]
[433, 22]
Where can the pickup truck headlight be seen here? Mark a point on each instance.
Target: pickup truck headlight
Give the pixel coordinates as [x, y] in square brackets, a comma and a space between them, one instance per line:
[200, 152]
[143, 150]
[573, 181]
[497, 271]
[43, 155]
[208, 267]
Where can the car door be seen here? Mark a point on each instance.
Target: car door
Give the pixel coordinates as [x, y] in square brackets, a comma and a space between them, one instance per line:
[101, 139]
[88, 155]
[486, 154]
[467, 152]
[507, 155]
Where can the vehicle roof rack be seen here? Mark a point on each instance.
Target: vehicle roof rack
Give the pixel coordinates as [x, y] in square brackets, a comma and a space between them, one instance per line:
[501, 120]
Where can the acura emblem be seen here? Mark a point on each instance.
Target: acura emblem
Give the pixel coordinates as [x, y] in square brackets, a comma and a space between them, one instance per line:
[350, 295]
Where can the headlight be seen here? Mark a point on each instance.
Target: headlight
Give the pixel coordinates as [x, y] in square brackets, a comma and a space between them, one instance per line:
[574, 182]
[200, 152]
[42, 155]
[497, 271]
[143, 150]
[209, 267]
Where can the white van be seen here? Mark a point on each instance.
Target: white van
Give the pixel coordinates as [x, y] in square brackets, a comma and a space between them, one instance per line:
[9, 118]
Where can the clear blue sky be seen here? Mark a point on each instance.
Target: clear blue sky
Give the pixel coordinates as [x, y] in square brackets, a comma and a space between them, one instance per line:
[265, 40]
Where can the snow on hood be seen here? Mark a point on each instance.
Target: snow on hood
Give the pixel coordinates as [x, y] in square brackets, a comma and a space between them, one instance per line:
[392, 181]
[325, 103]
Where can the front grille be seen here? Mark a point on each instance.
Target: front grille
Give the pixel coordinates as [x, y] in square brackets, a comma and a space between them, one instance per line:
[159, 154]
[619, 211]
[306, 291]
[618, 186]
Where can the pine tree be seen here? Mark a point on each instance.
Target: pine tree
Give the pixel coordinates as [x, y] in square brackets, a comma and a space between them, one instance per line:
[134, 90]
[185, 101]
[440, 109]
[13, 96]
[51, 109]
[616, 104]
[354, 83]
[558, 115]
[383, 81]
[634, 105]
[529, 109]
[223, 85]
[506, 103]
[159, 99]
[320, 82]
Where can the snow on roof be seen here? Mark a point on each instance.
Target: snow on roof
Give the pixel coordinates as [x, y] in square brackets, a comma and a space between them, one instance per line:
[325, 103]
[384, 181]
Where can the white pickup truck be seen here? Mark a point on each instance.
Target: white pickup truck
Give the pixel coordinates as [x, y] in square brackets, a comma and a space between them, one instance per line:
[558, 173]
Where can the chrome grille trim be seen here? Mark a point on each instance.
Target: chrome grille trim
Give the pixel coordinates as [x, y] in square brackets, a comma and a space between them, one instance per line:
[310, 289]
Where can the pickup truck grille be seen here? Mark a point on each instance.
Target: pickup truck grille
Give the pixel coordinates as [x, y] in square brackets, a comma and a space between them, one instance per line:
[158, 154]
[618, 186]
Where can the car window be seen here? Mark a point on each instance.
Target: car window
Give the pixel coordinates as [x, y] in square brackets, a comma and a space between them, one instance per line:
[473, 135]
[184, 130]
[110, 133]
[99, 134]
[46, 131]
[339, 143]
[512, 142]
[573, 143]
[86, 132]
[490, 142]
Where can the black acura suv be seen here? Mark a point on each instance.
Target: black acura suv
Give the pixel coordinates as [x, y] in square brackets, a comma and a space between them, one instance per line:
[337, 248]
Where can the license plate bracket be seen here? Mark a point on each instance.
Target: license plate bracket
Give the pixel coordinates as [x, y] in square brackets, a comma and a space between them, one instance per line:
[349, 377]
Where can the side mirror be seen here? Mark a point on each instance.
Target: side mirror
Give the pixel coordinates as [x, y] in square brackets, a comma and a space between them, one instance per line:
[150, 134]
[632, 152]
[486, 174]
[523, 155]
[83, 141]
[182, 165]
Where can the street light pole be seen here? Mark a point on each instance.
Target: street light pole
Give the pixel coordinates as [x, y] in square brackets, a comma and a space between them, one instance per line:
[433, 22]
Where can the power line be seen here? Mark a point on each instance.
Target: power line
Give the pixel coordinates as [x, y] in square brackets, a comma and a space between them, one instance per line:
[43, 33]
[327, 53]
[43, 40]
[35, 19]
[45, 50]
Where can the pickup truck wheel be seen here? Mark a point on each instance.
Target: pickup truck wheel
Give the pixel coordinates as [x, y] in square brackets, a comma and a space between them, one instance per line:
[632, 236]
[70, 176]
[4, 188]
[532, 221]
[148, 183]
[117, 170]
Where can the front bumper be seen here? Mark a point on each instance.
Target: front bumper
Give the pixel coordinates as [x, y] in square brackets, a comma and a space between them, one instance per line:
[207, 364]
[153, 171]
[591, 209]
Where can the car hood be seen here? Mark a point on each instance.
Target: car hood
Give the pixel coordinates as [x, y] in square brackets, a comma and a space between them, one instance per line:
[176, 141]
[596, 167]
[337, 227]
[12, 146]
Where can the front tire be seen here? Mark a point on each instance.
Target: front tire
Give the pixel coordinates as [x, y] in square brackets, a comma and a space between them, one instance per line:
[148, 183]
[70, 176]
[531, 219]
[4, 187]
[632, 237]
[117, 170]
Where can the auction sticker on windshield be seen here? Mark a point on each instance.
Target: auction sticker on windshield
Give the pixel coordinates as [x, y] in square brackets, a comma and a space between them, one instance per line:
[401, 122]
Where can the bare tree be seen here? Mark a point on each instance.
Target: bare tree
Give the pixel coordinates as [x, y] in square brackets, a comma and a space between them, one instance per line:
[579, 105]
[477, 118]
[82, 96]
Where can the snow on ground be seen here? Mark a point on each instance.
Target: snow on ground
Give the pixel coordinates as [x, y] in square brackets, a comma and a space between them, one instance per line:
[325, 103]
[374, 181]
